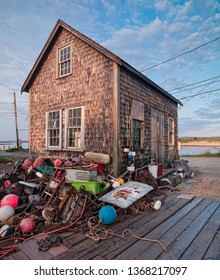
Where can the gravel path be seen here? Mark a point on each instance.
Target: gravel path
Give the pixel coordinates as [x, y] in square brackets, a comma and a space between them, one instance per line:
[207, 175]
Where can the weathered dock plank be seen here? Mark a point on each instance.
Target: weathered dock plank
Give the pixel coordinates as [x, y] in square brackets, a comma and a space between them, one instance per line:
[108, 249]
[202, 242]
[148, 250]
[183, 241]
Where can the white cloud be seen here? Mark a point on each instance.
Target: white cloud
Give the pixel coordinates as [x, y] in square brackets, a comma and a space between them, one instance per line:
[142, 32]
[162, 5]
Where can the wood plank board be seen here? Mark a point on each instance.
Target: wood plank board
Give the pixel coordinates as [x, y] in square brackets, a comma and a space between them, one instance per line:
[182, 242]
[213, 252]
[152, 221]
[203, 240]
[30, 249]
[57, 250]
[19, 256]
[9, 257]
[141, 247]
[168, 237]
[74, 239]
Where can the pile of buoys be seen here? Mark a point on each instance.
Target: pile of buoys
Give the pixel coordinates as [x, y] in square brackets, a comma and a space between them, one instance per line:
[7, 210]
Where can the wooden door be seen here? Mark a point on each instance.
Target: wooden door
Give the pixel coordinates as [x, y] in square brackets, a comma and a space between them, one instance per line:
[157, 136]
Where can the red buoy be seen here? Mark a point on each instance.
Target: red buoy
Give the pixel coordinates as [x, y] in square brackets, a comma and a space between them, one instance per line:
[27, 225]
[12, 200]
[27, 164]
[57, 162]
[38, 162]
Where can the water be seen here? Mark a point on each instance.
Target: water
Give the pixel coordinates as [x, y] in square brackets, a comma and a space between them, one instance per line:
[192, 150]
[8, 145]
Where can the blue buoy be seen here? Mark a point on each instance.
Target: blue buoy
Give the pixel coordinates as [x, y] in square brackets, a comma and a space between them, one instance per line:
[107, 215]
[130, 156]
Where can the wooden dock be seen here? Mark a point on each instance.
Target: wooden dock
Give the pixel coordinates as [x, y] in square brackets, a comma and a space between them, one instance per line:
[185, 228]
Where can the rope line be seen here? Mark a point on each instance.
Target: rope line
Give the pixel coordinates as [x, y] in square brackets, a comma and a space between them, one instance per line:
[94, 234]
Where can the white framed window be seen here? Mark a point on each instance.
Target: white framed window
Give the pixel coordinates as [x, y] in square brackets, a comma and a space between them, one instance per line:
[65, 128]
[171, 131]
[74, 127]
[53, 129]
[65, 61]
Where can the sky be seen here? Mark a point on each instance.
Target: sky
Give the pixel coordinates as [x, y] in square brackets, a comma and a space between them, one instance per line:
[144, 33]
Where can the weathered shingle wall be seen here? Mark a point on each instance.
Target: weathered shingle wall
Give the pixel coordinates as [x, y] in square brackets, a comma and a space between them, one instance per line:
[91, 85]
[132, 87]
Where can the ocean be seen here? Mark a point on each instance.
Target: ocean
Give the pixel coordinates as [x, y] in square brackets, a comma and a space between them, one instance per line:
[192, 150]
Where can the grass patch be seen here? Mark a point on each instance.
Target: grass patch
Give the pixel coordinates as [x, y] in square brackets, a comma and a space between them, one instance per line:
[194, 139]
[11, 150]
[5, 160]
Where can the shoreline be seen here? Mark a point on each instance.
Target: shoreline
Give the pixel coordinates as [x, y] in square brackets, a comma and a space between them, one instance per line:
[214, 144]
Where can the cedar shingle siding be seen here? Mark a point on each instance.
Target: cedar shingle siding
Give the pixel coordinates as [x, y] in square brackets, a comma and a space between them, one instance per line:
[132, 87]
[111, 94]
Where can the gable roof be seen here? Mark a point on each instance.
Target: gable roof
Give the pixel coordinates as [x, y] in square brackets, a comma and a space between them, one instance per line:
[51, 41]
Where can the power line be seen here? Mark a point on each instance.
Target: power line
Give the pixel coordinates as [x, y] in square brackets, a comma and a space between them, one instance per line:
[170, 59]
[200, 93]
[2, 102]
[194, 87]
[8, 112]
[194, 83]
[6, 102]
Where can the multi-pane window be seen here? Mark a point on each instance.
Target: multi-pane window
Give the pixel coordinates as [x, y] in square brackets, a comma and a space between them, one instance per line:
[53, 129]
[64, 61]
[170, 131]
[65, 128]
[137, 126]
[74, 125]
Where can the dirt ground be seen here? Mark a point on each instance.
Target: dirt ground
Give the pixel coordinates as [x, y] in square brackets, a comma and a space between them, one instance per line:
[206, 180]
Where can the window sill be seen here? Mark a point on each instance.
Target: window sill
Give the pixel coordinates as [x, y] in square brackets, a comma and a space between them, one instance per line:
[54, 148]
[60, 77]
[74, 149]
[65, 149]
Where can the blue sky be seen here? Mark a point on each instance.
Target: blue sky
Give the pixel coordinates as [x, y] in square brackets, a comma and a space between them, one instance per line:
[142, 32]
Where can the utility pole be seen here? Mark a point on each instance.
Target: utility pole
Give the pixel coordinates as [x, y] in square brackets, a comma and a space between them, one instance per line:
[16, 121]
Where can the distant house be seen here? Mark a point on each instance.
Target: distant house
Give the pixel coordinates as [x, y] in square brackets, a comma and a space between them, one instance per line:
[82, 97]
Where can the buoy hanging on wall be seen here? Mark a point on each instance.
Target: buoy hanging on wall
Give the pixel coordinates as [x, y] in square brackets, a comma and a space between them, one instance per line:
[98, 158]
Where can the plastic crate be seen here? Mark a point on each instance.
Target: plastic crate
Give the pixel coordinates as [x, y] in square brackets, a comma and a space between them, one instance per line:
[94, 187]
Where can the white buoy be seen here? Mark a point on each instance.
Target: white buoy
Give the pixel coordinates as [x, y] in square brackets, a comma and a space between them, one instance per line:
[157, 205]
[3, 230]
[6, 212]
